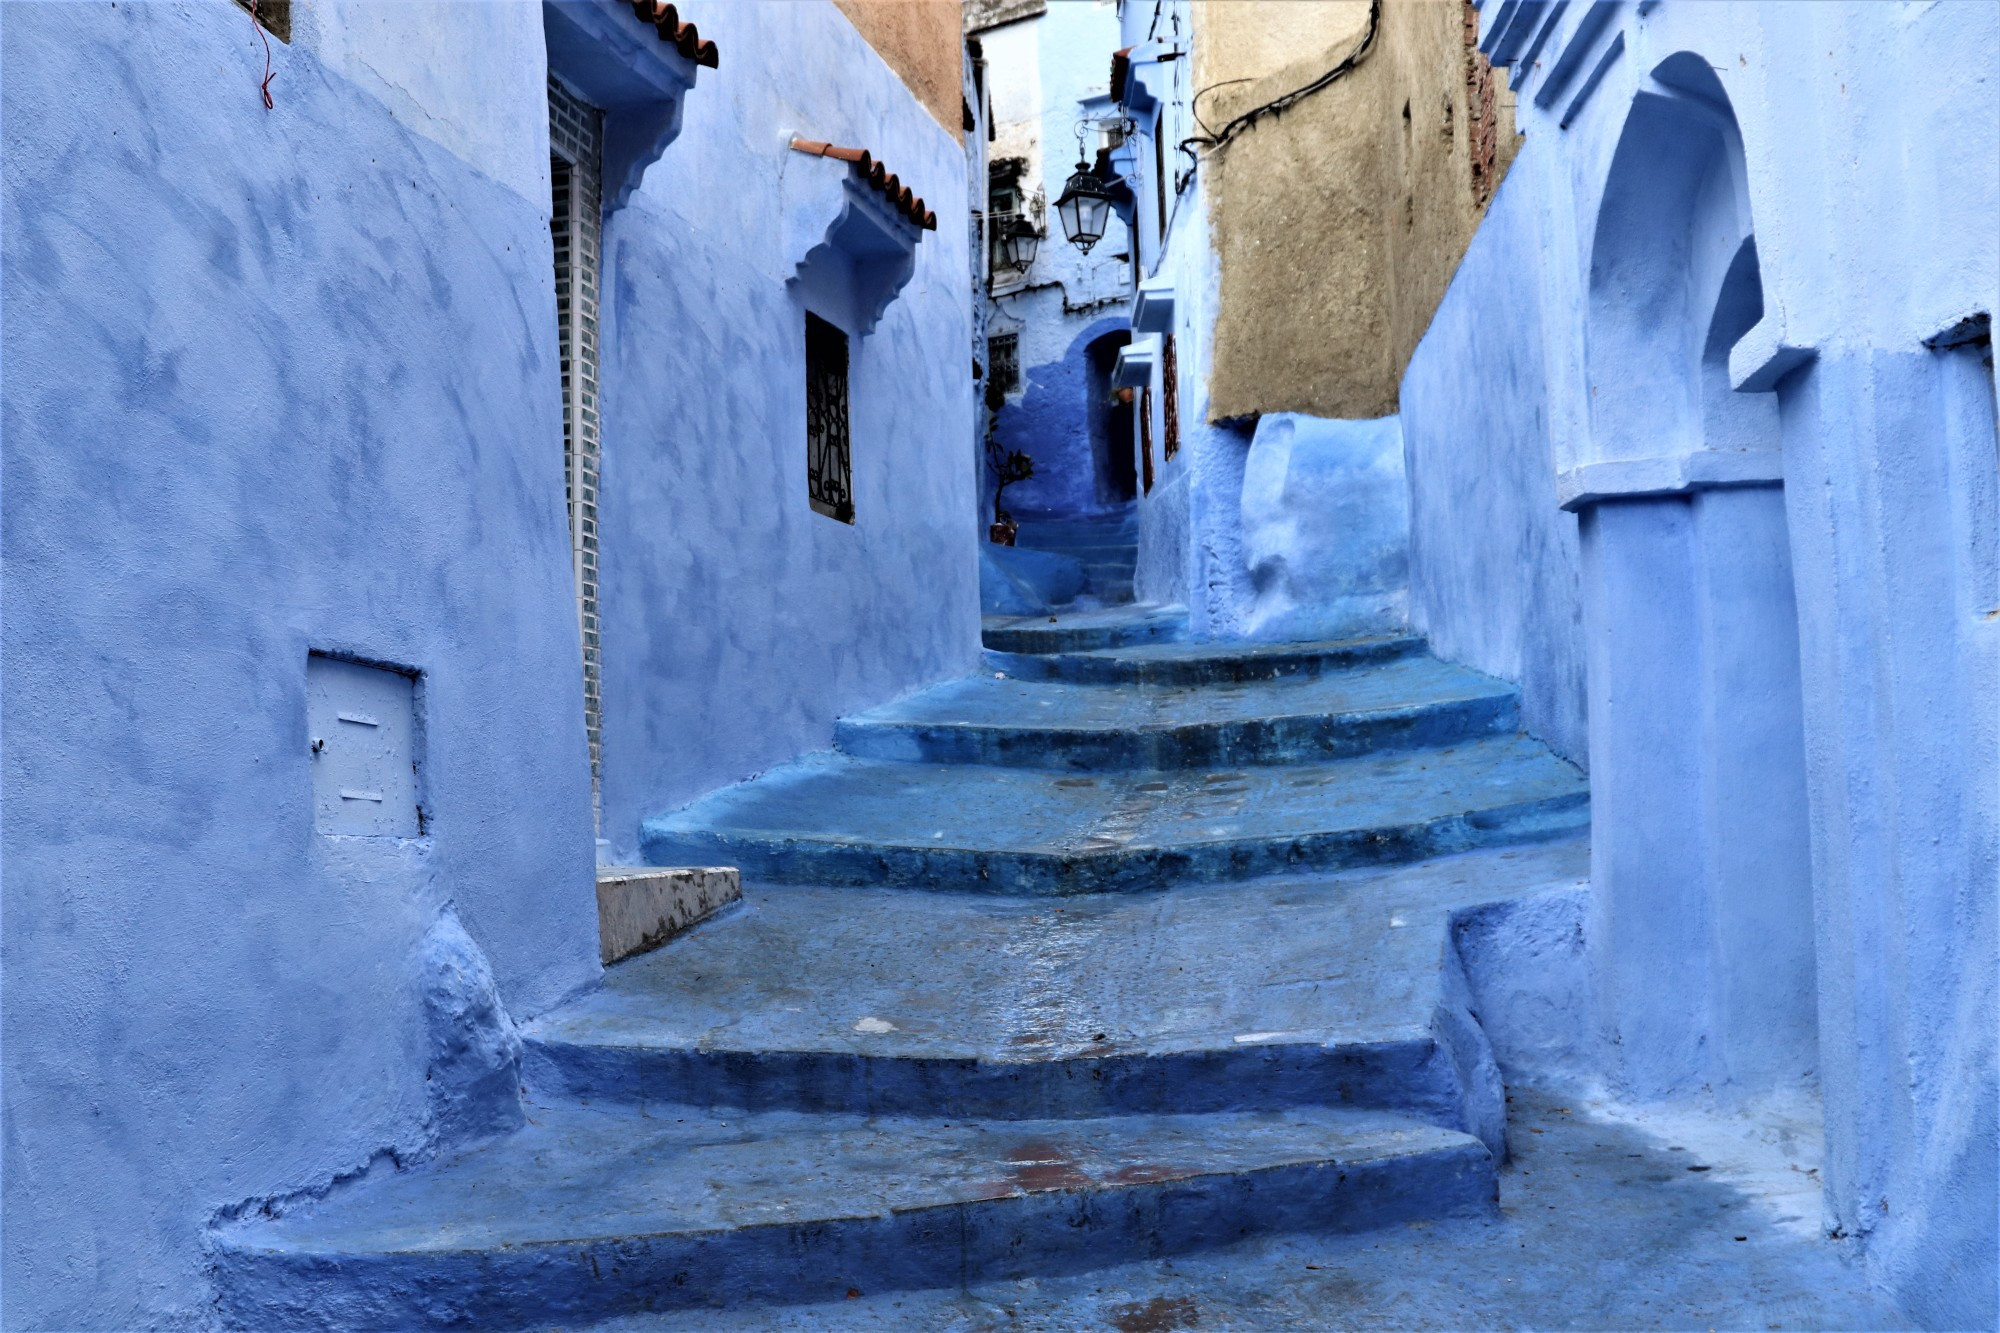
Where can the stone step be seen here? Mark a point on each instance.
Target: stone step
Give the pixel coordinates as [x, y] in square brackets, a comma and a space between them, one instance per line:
[1114, 527]
[1328, 990]
[832, 818]
[1404, 703]
[1081, 631]
[593, 1212]
[1126, 555]
[1200, 663]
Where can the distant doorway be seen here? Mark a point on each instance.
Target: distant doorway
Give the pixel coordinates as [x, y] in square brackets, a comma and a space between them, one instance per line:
[1110, 419]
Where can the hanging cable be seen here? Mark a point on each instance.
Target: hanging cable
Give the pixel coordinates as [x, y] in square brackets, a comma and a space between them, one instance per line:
[1277, 105]
[256, 23]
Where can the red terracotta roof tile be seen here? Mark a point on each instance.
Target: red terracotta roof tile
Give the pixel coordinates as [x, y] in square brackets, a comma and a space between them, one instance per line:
[685, 37]
[900, 196]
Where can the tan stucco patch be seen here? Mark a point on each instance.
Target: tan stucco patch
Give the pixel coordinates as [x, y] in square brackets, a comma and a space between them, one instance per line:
[1339, 223]
[919, 39]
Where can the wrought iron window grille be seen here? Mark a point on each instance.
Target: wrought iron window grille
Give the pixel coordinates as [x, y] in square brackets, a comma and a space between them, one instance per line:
[1003, 360]
[829, 455]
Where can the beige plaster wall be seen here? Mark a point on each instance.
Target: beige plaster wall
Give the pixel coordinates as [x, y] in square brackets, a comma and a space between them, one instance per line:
[919, 39]
[1339, 223]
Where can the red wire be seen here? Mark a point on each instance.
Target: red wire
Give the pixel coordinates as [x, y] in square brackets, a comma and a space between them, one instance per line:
[265, 86]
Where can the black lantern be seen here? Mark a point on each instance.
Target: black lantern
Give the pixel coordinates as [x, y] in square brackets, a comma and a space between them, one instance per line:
[1084, 206]
[1017, 242]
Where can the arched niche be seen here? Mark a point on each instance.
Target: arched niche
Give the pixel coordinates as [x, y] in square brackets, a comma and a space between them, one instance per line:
[1673, 267]
[1702, 895]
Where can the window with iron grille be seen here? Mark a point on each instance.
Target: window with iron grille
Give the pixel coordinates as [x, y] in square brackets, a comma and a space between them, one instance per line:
[1170, 387]
[575, 142]
[1003, 355]
[829, 460]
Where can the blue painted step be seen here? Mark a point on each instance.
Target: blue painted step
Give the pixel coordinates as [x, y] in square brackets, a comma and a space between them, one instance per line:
[1176, 663]
[1080, 631]
[1334, 990]
[594, 1212]
[837, 819]
[1403, 703]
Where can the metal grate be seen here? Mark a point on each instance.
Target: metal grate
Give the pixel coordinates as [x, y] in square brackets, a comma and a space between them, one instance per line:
[829, 460]
[576, 133]
[1003, 355]
[1170, 382]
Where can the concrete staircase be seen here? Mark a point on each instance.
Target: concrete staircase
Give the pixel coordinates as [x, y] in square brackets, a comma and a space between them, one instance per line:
[1127, 947]
[1106, 544]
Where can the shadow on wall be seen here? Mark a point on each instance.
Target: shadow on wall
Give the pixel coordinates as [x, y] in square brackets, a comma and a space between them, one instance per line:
[1326, 528]
[1054, 423]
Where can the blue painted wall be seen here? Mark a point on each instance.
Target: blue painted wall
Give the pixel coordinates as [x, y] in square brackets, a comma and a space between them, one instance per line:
[275, 381]
[719, 581]
[282, 381]
[1059, 420]
[1493, 563]
[1326, 528]
[1855, 570]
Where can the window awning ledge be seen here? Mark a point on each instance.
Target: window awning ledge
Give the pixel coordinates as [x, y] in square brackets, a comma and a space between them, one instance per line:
[636, 62]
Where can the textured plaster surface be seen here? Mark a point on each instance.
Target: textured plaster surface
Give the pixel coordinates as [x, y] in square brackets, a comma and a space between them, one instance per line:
[240, 423]
[919, 39]
[1602, 1225]
[704, 509]
[1338, 223]
[1890, 572]
[1326, 528]
[1493, 562]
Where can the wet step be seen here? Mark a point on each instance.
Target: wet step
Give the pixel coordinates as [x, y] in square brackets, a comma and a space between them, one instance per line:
[1327, 990]
[1403, 703]
[1119, 528]
[1177, 663]
[592, 1212]
[1082, 631]
[838, 819]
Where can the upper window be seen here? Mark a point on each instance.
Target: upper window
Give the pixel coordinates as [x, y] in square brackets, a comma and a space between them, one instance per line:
[1003, 355]
[275, 15]
[829, 461]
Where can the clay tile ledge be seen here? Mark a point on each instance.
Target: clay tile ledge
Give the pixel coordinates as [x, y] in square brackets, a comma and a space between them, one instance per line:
[685, 36]
[851, 235]
[905, 201]
[638, 81]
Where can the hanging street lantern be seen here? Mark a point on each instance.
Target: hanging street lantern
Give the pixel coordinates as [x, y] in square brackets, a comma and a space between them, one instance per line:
[1084, 206]
[1018, 242]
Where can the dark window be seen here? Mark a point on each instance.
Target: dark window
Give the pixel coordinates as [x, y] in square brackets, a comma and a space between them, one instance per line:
[1170, 386]
[1146, 439]
[275, 15]
[829, 464]
[1003, 354]
[1160, 171]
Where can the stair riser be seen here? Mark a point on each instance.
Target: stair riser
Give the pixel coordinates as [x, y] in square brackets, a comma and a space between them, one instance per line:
[1274, 740]
[1134, 870]
[1014, 1235]
[1077, 638]
[1414, 1077]
[1084, 670]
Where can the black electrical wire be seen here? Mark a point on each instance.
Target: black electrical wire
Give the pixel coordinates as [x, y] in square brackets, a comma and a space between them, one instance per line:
[1280, 104]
